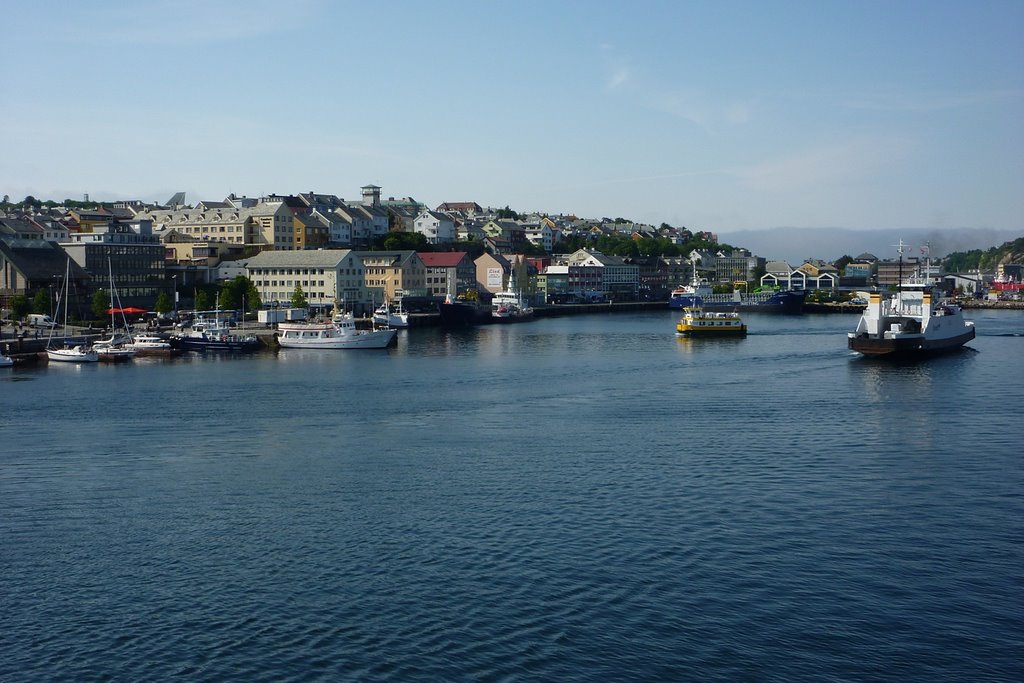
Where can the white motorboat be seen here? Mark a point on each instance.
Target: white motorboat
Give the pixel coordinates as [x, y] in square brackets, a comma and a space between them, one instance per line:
[152, 345]
[339, 333]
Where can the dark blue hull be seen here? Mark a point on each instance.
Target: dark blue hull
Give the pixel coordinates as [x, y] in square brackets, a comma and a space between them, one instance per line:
[216, 345]
[789, 302]
[463, 314]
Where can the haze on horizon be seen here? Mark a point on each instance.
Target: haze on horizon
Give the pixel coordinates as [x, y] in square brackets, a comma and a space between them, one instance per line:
[725, 117]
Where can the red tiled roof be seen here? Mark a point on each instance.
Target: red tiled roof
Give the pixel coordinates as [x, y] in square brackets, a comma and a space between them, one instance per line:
[440, 259]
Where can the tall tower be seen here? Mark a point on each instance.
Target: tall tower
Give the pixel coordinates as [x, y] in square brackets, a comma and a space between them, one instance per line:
[371, 195]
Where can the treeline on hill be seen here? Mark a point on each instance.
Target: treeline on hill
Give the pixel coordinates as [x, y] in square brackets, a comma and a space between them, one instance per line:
[977, 259]
[625, 245]
[31, 202]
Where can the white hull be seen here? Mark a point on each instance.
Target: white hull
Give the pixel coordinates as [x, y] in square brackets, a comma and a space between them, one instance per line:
[341, 334]
[114, 355]
[909, 322]
[73, 355]
[392, 319]
[370, 340]
[151, 346]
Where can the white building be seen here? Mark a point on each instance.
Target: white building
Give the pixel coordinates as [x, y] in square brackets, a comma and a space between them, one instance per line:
[438, 228]
[325, 276]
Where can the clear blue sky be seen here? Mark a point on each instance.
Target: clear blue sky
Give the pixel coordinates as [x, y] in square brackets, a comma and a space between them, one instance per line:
[719, 116]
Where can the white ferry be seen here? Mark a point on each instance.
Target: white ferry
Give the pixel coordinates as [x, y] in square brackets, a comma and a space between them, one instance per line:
[911, 321]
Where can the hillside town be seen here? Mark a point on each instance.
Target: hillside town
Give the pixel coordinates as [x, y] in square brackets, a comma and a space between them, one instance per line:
[332, 250]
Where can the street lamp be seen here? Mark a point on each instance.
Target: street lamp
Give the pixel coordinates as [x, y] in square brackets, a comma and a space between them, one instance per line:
[174, 287]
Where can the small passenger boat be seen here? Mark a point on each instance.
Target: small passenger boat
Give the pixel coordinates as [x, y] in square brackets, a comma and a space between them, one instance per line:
[697, 322]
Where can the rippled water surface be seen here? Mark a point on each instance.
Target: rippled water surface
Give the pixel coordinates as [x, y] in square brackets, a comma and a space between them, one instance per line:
[584, 498]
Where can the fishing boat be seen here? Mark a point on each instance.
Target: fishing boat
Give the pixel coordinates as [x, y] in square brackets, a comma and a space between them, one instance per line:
[465, 310]
[78, 351]
[391, 316]
[206, 334]
[914, 320]
[338, 333]
[698, 322]
[215, 336]
[699, 293]
[692, 293]
[510, 306]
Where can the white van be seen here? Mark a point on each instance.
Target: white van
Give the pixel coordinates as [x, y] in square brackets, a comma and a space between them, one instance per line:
[40, 320]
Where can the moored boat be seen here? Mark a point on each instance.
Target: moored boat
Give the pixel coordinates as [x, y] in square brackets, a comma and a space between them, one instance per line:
[690, 294]
[510, 306]
[463, 312]
[699, 293]
[77, 351]
[117, 348]
[391, 316]
[152, 345]
[339, 333]
[214, 336]
[697, 322]
[790, 301]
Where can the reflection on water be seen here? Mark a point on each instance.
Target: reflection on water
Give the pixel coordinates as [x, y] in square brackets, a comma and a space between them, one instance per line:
[695, 345]
[579, 499]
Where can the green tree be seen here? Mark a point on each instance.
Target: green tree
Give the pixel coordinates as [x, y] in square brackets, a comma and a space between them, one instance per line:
[202, 302]
[100, 303]
[474, 247]
[163, 303]
[841, 262]
[299, 298]
[405, 241]
[41, 302]
[240, 293]
[20, 306]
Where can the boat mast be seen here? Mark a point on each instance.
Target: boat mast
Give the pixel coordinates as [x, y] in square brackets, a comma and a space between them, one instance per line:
[61, 296]
[113, 320]
[899, 248]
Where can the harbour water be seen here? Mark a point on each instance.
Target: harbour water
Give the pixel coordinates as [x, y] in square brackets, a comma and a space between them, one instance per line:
[571, 499]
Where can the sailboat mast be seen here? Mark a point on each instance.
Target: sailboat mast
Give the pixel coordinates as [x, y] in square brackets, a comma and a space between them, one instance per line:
[113, 320]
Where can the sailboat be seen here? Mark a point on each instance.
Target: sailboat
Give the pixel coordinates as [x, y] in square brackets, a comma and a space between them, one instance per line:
[119, 347]
[77, 353]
